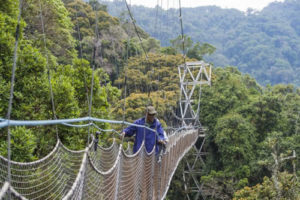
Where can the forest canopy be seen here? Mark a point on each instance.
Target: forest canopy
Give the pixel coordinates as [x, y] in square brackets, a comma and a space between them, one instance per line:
[264, 43]
[252, 131]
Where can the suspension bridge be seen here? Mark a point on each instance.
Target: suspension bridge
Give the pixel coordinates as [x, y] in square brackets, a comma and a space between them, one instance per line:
[99, 172]
[105, 173]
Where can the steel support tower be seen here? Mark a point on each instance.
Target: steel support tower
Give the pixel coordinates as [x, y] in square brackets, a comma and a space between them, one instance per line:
[192, 76]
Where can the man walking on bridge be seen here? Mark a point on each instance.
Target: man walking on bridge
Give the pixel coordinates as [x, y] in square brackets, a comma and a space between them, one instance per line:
[151, 137]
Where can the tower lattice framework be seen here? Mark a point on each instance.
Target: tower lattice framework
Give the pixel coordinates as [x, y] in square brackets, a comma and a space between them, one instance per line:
[192, 76]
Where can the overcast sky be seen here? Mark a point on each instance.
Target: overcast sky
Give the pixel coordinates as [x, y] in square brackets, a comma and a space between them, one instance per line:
[238, 4]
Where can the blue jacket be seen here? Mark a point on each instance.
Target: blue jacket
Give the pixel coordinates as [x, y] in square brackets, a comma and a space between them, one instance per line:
[151, 139]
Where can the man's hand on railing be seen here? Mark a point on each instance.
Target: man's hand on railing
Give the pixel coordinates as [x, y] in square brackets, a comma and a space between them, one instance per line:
[122, 135]
[163, 142]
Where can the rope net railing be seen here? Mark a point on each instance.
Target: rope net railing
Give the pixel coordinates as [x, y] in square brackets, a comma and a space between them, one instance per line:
[49, 178]
[96, 173]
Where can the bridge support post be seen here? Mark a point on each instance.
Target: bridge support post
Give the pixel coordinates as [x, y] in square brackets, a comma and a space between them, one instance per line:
[192, 76]
[192, 172]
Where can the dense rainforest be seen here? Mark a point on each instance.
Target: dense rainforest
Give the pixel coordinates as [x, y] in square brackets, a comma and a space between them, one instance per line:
[263, 43]
[252, 131]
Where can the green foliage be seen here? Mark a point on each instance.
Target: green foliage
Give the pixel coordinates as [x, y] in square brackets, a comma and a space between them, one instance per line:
[176, 189]
[222, 184]
[168, 50]
[158, 72]
[228, 92]
[235, 140]
[266, 190]
[31, 86]
[196, 51]
[153, 81]
[8, 24]
[239, 114]
[23, 144]
[151, 45]
[266, 114]
[10, 7]
[133, 48]
[137, 102]
[263, 43]
[71, 83]
[243, 120]
[4, 95]
[57, 27]
[65, 101]
[129, 27]
[72, 88]
[107, 38]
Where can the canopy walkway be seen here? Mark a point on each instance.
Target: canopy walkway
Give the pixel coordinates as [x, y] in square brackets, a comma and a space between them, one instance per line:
[95, 173]
[101, 173]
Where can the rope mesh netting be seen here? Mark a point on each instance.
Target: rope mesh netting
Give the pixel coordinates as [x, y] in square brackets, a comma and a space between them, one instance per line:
[48, 178]
[107, 173]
